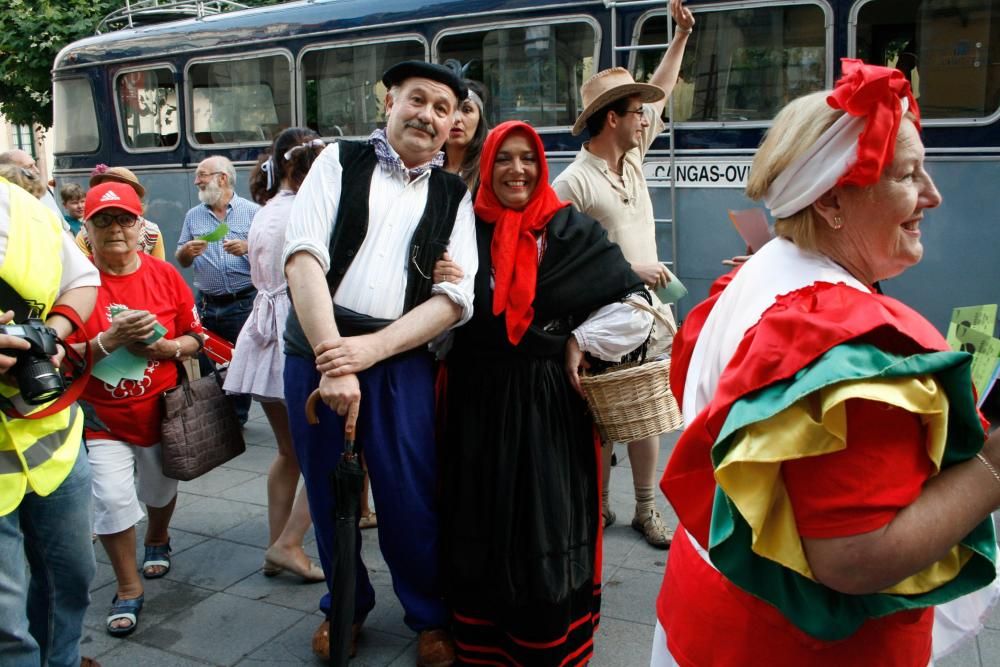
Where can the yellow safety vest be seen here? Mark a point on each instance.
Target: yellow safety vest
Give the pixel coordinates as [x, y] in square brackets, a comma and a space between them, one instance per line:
[39, 453]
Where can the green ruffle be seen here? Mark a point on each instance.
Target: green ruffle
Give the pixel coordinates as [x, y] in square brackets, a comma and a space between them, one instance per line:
[817, 610]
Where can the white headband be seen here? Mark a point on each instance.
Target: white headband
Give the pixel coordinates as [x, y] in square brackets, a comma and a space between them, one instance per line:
[818, 169]
[477, 99]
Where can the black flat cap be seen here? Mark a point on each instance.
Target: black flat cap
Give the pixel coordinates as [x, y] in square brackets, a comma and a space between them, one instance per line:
[400, 72]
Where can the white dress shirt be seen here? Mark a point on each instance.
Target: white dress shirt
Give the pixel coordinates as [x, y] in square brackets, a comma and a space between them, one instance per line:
[375, 282]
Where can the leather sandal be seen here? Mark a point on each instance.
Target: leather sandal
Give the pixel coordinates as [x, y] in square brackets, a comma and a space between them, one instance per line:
[368, 521]
[653, 529]
[156, 555]
[608, 515]
[127, 610]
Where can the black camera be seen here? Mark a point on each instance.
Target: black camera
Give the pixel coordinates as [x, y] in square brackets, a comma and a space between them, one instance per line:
[36, 376]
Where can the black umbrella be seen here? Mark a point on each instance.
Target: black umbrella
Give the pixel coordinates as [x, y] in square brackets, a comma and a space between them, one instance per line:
[347, 480]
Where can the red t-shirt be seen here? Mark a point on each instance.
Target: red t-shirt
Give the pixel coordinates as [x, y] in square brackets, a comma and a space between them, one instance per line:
[862, 487]
[132, 410]
[856, 490]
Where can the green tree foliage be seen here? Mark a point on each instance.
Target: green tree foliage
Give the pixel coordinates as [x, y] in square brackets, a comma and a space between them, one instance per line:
[33, 33]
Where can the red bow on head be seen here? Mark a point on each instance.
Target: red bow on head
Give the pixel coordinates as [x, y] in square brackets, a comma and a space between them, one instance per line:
[874, 92]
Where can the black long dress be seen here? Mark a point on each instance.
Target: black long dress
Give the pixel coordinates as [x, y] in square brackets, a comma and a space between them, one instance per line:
[521, 471]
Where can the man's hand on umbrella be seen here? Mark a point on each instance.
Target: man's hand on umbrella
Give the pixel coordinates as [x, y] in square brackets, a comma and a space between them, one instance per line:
[340, 392]
[344, 356]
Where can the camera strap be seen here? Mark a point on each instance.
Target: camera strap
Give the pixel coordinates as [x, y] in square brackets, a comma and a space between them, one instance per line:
[11, 300]
[80, 367]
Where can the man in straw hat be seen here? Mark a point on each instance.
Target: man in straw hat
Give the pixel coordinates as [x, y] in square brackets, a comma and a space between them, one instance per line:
[605, 181]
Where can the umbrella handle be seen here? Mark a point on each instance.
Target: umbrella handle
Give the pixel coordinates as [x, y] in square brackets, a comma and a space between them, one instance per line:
[350, 423]
[311, 417]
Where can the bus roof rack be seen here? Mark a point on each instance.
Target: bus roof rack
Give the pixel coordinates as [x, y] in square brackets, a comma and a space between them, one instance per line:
[143, 12]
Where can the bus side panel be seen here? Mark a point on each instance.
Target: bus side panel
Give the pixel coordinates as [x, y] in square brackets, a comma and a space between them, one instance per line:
[960, 266]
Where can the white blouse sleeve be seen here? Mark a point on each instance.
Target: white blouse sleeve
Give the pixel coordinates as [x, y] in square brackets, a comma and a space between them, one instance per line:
[465, 253]
[614, 330]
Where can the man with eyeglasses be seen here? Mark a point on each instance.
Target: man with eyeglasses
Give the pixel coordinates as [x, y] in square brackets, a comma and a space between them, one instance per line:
[221, 268]
[605, 181]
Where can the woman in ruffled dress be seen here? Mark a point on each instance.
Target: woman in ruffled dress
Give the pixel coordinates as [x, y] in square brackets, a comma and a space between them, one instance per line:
[834, 482]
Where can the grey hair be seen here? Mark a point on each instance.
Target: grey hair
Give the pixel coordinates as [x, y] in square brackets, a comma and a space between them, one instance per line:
[226, 166]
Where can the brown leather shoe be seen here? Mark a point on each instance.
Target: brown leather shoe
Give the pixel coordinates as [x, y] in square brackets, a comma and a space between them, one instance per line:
[321, 641]
[435, 649]
[88, 662]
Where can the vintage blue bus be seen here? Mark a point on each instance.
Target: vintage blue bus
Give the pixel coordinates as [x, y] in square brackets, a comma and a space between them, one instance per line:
[159, 98]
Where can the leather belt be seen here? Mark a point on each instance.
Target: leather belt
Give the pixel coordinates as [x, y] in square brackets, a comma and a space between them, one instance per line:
[224, 299]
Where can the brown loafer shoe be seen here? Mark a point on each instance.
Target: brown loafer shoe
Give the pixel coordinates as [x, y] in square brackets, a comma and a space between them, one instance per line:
[435, 649]
[321, 641]
[89, 662]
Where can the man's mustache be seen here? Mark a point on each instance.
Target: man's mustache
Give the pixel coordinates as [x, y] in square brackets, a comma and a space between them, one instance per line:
[423, 127]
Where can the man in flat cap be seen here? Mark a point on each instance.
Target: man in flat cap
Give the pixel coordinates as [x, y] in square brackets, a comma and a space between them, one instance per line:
[367, 226]
[605, 181]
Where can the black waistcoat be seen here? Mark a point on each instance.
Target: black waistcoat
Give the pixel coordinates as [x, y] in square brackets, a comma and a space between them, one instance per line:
[430, 239]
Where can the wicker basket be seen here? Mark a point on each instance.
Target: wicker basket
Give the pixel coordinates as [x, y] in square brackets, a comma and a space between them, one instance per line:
[633, 402]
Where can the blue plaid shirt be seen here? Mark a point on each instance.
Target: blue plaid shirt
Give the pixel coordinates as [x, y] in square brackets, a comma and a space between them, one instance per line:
[216, 272]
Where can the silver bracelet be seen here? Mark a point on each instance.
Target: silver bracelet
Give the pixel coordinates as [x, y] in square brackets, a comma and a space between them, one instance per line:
[101, 345]
[989, 466]
[686, 31]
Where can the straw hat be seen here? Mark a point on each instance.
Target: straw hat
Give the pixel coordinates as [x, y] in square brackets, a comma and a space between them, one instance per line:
[121, 175]
[609, 85]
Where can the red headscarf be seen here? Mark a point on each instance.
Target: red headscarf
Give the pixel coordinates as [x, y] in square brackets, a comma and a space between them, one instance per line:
[514, 250]
[874, 92]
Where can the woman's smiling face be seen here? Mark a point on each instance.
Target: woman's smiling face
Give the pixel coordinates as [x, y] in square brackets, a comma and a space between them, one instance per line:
[515, 171]
[882, 223]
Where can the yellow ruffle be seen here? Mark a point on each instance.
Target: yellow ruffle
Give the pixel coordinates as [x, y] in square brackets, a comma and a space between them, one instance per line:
[750, 474]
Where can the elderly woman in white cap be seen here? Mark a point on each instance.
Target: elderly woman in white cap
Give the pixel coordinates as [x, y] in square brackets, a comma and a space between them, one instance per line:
[150, 239]
[834, 482]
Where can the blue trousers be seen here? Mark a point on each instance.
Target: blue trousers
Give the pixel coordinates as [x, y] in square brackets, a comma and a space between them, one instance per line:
[396, 430]
[227, 320]
[48, 537]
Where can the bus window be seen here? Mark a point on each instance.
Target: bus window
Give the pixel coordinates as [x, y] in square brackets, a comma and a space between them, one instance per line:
[950, 51]
[741, 64]
[73, 110]
[146, 100]
[239, 101]
[531, 73]
[344, 95]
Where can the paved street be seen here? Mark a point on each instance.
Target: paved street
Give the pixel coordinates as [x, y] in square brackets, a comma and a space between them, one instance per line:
[216, 608]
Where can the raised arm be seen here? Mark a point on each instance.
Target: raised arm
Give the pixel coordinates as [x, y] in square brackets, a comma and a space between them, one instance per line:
[665, 75]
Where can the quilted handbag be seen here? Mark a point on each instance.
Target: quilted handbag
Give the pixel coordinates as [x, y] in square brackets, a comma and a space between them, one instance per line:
[200, 428]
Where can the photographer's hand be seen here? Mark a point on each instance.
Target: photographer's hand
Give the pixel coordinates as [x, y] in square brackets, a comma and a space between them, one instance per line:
[9, 343]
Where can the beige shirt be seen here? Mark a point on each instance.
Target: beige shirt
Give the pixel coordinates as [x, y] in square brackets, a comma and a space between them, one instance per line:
[626, 211]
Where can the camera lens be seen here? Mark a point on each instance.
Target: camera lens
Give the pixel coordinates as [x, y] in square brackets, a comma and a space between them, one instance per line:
[38, 380]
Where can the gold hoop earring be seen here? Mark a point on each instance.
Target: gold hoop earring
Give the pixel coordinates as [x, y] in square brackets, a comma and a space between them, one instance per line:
[838, 222]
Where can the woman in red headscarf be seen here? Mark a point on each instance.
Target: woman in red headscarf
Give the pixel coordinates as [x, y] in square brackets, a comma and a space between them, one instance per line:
[521, 538]
[832, 483]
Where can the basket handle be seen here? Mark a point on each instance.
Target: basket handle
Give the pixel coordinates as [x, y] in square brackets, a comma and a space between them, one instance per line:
[639, 305]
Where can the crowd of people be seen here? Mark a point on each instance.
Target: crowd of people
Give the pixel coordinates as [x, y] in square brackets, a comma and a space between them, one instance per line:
[442, 298]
